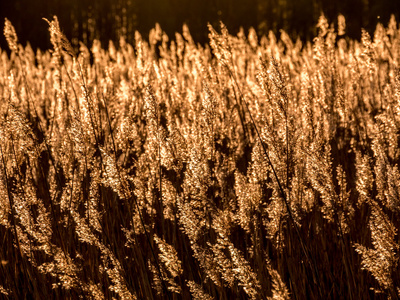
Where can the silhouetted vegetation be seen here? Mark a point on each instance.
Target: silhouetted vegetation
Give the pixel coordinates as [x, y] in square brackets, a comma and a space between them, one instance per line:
[85, 20]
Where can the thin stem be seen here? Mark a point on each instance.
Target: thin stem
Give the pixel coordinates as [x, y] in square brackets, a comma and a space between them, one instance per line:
[283, 194]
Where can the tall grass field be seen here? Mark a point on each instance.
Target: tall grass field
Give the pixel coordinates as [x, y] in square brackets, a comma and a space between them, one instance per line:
[248, 168]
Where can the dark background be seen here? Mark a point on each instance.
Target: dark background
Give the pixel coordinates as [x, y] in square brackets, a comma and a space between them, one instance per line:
[84, 20]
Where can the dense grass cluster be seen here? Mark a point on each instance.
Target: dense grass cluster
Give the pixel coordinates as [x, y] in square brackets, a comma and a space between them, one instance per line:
[246, 169]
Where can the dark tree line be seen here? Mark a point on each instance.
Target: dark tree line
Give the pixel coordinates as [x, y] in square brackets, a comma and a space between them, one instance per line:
[85, 20]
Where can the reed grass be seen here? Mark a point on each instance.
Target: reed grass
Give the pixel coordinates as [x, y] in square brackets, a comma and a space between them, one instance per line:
[244, 169]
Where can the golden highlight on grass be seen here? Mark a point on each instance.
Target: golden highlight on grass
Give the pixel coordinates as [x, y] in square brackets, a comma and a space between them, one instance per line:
[249, 168]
